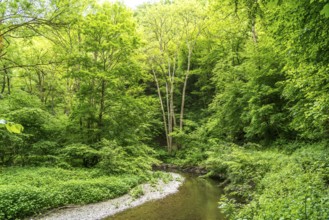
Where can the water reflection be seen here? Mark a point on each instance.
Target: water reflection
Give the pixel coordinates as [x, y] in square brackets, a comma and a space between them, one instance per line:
[197, 199]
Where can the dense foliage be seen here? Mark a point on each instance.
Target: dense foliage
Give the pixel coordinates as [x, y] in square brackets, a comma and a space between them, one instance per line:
[273, 185]
[30, 191]
[76, 88]
[237, 86]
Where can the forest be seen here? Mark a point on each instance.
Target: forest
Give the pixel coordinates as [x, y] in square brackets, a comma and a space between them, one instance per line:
[92, 95]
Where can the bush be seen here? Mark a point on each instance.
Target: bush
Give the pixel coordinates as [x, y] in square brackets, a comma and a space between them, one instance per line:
[272, 185]
[19, 201]
[81, 155]
[133, 159]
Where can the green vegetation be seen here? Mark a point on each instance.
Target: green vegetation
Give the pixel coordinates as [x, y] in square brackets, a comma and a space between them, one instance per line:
[30, 191]
[268, 184]
[136, 192]
[100, 93]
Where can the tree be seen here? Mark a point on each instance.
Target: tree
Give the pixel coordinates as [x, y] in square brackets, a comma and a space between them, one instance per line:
[22, 19]
[304, 48]
[171, 28]
[192, 14]
[108, 75]
[163, 50]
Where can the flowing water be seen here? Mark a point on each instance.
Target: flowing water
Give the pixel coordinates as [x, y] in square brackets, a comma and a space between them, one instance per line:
[197, 199]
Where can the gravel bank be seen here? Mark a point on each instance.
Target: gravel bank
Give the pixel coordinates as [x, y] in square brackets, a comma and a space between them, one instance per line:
[104, 209]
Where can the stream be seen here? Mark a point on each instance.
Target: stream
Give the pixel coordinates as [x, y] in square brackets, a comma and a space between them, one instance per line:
[197, 199]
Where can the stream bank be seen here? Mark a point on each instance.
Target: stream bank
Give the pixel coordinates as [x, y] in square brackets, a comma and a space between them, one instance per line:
[104, 209]
[197, 199]
[193, 170]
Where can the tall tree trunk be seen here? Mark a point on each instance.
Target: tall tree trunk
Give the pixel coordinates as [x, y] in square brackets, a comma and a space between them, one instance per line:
[102, 104]
[41, 86]
[4, 66]
[52, 100]
[3, 83]
[171, 103]
[172, 92]
[170, 124]
[8, 81]
[254, 12]
[181, 119]
[253, 29]
[162, 109]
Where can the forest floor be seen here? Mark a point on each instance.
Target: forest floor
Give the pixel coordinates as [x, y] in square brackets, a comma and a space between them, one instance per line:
[144, 193]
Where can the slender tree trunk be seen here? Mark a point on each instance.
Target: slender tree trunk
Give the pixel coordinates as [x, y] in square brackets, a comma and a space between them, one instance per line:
[253, 22]
[41, 86]
[102, 102]
[51, 93]
[171, 111]
[253, 29]
[8, 81]
[181, 119]
[170, 124]
[172, 106]
[3, 83]
[162, 109]
[102, 105]
[167, 104]
[173, 83]
[81, 128]
[4, 67]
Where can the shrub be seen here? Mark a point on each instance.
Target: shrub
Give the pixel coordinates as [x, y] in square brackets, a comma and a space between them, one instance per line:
[133, 159]
[271, 185]
[81, 155]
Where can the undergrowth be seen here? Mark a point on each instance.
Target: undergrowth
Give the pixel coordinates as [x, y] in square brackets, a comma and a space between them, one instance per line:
[269, 184]
[30, 191]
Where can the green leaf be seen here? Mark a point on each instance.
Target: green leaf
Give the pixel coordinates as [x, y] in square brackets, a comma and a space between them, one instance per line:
[325, 11]
[14, 128]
